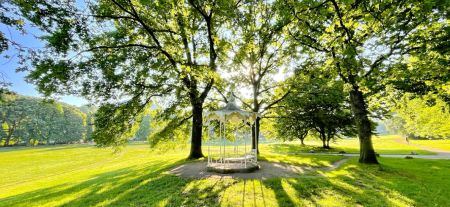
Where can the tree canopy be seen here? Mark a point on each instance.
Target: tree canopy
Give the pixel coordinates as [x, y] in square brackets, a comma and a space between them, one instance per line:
[363, 43]
[131, 51]
[127, 55]
[315, 104]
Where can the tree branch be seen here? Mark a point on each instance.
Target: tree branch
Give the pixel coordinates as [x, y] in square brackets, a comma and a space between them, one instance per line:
[275, 102]
[121, 46]
[338, 11]
[221, 94]
[338, 66]
[149, 30]
[243, 102]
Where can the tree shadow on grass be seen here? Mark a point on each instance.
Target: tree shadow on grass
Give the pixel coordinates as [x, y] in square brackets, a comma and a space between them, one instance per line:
[360, 185]
[126, 186]
[297, 148]
[323, 192]
[53, 193]
[204, 192]
[353, 185]
[282, 197]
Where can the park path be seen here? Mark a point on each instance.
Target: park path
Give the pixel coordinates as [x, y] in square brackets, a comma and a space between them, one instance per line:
[336, 164]
[431, 157]
[438, 151]
[441, 154]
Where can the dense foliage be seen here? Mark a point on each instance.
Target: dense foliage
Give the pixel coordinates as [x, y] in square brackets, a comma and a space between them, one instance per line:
[31, 121]
[315, 104]
[367, 44]
[425, 118]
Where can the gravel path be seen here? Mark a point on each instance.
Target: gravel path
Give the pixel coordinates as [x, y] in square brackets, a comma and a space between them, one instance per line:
[268, 170]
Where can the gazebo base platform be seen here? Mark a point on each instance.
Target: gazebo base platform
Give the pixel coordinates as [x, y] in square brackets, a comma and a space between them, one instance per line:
[232, 168]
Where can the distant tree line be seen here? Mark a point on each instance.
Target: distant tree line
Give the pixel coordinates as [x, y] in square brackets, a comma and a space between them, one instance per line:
[143, 132]
[32, 121]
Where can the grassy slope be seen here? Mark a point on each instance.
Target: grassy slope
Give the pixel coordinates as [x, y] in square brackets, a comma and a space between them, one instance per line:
[88, 176]
[382, 145]
[437, 144]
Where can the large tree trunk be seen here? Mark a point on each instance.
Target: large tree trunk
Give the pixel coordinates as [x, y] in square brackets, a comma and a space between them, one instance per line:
[196, 136]
[359, 108]
[255, 134]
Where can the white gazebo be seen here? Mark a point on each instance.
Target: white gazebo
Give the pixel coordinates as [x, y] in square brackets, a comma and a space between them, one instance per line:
[228, 155]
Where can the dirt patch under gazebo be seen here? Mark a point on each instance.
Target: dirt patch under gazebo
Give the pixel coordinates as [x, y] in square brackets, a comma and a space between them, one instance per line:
[267, 170]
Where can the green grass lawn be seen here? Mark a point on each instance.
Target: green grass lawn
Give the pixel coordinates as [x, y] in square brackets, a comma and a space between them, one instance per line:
[437, 144]
[382, 145]
[88, 176]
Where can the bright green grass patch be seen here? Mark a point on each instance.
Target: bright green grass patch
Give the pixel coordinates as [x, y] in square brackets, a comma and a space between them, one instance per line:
[89, 176]
[81, 175]
[382, 145]
[396, 182]
[437, 144]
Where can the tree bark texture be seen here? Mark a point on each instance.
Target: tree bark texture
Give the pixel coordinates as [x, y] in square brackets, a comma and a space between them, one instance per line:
[196, 136]
[359, 108]
[255, 134]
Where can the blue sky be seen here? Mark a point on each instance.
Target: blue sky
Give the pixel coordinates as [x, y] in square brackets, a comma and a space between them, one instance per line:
[8, 65]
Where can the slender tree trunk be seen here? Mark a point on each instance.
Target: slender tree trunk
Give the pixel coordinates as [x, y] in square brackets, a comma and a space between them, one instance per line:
[329, 136]
[302, 137]
[11, 130]
[255, 134]
[359, 108]
[28, 142]
[324, 140]
[196, 136]
[8, 138]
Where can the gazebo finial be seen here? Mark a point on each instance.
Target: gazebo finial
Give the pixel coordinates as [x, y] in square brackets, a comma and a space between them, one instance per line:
[231, 98]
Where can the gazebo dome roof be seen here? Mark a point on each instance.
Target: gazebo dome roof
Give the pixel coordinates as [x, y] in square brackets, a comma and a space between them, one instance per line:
[231, 112]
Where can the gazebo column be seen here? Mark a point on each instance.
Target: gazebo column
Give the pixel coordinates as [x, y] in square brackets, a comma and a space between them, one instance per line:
[235, 161]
